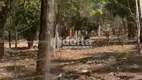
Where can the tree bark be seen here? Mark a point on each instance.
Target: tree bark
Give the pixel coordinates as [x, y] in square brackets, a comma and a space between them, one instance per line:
[124, 25]
[99, 31]
[131, 27]
[140, 12]
[3, 17]
[45, 36]
[138, 26]
[30, 40]
[9, 38]
[16, 38]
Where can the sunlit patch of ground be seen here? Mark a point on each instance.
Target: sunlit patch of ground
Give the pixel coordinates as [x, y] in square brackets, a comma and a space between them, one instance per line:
[77, 54]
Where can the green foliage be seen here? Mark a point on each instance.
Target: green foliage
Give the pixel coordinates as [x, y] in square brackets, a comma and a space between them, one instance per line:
[78, 13]
[25, 14]
[97, 11]
[121, 8]
[2, 3]
[98, 7]
[31, 18]
[76, 7]
[24, 17]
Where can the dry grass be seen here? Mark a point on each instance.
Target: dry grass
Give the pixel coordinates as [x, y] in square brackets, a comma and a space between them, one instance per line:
[67, 60]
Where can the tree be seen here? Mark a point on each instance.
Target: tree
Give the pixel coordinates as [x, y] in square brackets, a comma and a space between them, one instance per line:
[47, 22]
[138, 24]
[3, 17]
[124, 9]
[77, 14]
[73, 14]
[31, 20]
[24, 18]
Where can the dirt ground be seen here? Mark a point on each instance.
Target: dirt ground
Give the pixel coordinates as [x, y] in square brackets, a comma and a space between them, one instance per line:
[105, 62]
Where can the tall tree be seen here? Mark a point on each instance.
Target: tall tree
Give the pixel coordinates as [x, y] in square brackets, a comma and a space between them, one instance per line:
[24, 20]
[46, 33]
[138, 24]
[124, 9]
[3, 17]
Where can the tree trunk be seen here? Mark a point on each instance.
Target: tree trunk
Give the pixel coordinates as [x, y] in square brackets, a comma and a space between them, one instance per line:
[71, 33]
[45, 36]
[99, 27]
[140, 12]
[124, 25]
[113, 31]
[131, 27]
[138, 26]
[30, 40]
[16, 38]
[3, 17]
[99, 31]
[9, 38]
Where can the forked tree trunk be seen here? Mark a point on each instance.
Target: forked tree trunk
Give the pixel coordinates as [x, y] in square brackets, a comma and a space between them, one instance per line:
[45, 36]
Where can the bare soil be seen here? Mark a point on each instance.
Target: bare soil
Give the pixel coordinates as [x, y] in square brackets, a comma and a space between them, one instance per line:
[105, 62]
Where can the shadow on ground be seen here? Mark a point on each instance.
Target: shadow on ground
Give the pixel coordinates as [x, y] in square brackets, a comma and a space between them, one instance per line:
[102, 66]
[115, 64]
